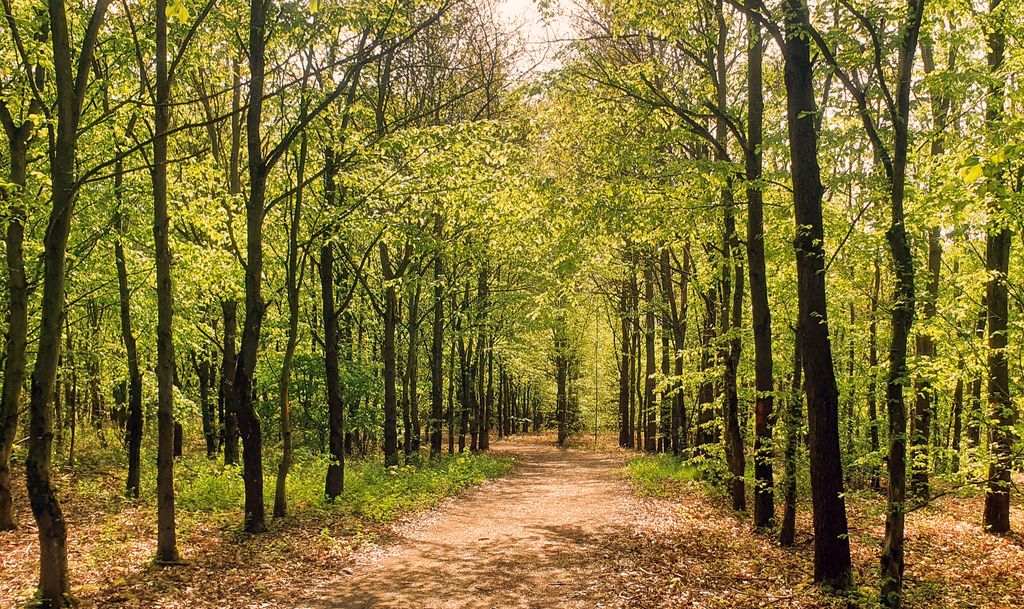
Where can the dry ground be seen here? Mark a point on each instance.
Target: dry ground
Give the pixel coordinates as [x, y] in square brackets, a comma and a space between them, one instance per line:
[564, 530]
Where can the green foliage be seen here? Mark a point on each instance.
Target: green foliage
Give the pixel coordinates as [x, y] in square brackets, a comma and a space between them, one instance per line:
[661, 475]
[372, 491]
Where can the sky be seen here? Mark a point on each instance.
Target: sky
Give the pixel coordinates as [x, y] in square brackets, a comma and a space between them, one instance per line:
[543, 37]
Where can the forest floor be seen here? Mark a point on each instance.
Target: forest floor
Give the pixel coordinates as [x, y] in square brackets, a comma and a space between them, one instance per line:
[565, 529]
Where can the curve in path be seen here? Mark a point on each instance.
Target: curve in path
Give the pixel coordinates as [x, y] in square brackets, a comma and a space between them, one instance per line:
[534, 539]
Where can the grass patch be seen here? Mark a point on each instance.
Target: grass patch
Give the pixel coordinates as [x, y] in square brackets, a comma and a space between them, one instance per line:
[660, 475]
[372, 491]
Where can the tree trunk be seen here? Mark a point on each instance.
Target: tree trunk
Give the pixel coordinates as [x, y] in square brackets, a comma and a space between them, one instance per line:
[794, 422]
[293, 281]
[389, 356]
[229, 310]
[167, 545]
[831, 541]
[760, 313]
[625, 367]
[902, 320]
[648, 416]
[255, 212]
[335, 484]
[69, 94]
[1001, 409]
[204, 370]
[451, 400]
[437, 351]
[732, 317]
[705, 433]
[873, 373]
[19, 137]
[412, 371]
[133, 435]
[920, 436]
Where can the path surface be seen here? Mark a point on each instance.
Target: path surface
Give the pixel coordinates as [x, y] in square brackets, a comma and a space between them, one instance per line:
[534, 539]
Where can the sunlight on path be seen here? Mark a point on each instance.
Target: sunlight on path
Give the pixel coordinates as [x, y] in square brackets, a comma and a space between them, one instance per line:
[531, 540]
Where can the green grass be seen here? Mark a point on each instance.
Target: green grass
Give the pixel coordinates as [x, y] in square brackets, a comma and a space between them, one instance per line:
[660, 475]
[372, 491]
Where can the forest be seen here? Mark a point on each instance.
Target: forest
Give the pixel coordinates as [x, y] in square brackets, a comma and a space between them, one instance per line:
[623, 303]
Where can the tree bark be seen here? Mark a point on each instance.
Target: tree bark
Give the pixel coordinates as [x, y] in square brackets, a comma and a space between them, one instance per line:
[873, 373]
[167, 545]
[794, 422]
[335, 483]
[437, 349]
[1002, 411]
[133, 431]
[831, 542]
[70, 84]
[760, 313]
[293, 283]
[19, 138]
[648, 414]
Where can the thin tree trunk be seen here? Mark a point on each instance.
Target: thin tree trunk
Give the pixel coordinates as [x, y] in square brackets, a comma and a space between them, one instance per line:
[293, 281]
[625, 367]
[229, 310]
[794, 422]
[69, 94]
[760, 313]
[412, 370]
[648, 414]
[873, 373]
[892, 563]
[389, 356]
[133, 435]
[335, 483]
[451, 400]
[437, 350]
[167, 545]
[19, 137]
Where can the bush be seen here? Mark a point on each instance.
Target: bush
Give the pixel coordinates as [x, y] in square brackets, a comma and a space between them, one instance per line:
[372, 491]
[660, 475]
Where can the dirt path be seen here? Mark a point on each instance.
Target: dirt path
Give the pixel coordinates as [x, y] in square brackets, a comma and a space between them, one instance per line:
[534, 539]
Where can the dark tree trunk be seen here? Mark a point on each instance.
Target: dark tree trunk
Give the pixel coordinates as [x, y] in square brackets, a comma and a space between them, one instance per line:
[167, 544]
[957, 415]
[764, 384]
[892, 563]
[648, 414]
[19, 137]
[293, 283]
[831, 541]
[69, 94]
[204, 370]
[625, 366]
[732, 317]
[229, 310]
[705, 434]
[1001, 409]
[71, 392]
[335, 484]
[794, 422]
[561, 362]
[873, 373]
[451, 400]
[920, 435]
[437, 351]
[483, 442]
[412, 371]
[489, 396]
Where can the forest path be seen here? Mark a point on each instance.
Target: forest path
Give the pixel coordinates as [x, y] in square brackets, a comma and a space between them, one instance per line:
[534, 539]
